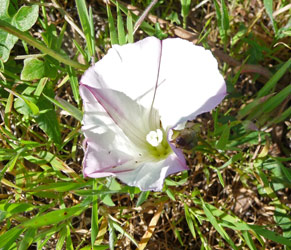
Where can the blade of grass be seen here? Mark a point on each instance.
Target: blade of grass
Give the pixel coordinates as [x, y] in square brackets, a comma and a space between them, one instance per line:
[74, 84]
[274, 79]
[217, 225]
[112, 29]
[94, 217]
[120, 26]
[37, 44]
[129, 25]
[72, 110]
[269, 9]
[85, 22]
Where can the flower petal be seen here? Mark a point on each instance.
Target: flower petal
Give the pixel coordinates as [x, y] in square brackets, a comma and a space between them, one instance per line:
[131, 68]
[106, 144]
[151, 175]
[115, 128]
[189, 82]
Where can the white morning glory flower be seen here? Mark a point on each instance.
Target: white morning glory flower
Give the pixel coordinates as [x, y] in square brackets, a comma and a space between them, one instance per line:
[134, 97]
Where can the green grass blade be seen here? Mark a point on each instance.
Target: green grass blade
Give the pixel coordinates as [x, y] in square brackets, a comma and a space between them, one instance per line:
[85, 22]
[120, 26]
[91, 22]
[52, 218]
[221, 144]
[61, 238]
[189, 220]
[7, 238]
[249, 240]
[142, 198]
[37, 44]
[27, 239]
[275, 101]
[224, 17]
[269, 9]
[94, 217]
[185, 11]
[69, 243]
[112, 29]
[72, 110]
[74, 84]
[274, 79]
[282, 117]
[217, 226]
[129, 25]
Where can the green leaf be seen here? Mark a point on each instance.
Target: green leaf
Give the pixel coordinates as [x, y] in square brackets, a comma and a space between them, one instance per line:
[269, 9]
[249, 240]
[4, 8]
[112, 29]
[53, 217]
[25, 104]
[26, 17]
[222, 20]
[185, 10]
[274, 79]
[217, 225]
[59, 186]
[85, 22]
[27, 239]
[47, 120]
[94, 218]
[189, 220]
[129, 25]
[273, 102]
[117, 227]
[61, 238]
[120, 26]
[69, 243]
[33, 69]
[224, 17]
[14, 208]
[142, 197]
[74, 84]
[35, 43]
[72, 110]
[221, 144]
[10, 165]
[7, 238]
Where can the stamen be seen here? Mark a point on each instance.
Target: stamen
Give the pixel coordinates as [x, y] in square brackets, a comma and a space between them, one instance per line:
[155, 137]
